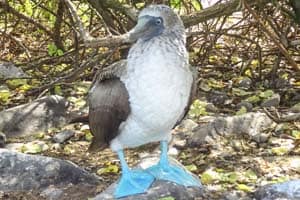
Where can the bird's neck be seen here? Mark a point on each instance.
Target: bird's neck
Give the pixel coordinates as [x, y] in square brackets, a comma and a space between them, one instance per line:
[161, 48]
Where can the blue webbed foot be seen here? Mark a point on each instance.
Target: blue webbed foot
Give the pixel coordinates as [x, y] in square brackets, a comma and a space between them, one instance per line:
[133, 182]
[170, 172]
[174, 174]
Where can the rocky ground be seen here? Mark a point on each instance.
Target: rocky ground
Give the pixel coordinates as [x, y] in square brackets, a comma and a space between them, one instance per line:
[233, 162]
[237, 143]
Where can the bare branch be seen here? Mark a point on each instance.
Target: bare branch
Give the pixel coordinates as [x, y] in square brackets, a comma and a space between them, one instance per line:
[115, 5]
[189, 20]
[17, 41]
[273, 37]
[72, 75]
[57, 26]
[91, 41]
[217, 10]
[83, 33]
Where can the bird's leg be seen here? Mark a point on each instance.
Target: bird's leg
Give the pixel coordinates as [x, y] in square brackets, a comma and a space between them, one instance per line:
[165, 170]
[132, 181]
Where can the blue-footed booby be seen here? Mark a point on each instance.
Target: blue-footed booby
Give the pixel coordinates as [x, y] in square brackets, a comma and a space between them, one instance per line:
[139, 100]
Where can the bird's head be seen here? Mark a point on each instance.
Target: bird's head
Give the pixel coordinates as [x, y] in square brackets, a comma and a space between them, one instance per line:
[156, 20]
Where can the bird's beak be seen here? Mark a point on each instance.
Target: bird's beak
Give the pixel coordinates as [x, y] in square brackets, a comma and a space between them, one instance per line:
[140, 29]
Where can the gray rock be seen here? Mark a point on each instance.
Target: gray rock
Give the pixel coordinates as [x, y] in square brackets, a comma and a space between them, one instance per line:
[2, 140]
[295, 108]
[217, 97]
[245, 104]
[280, 83]
[274, 101]
[235, 195]
[252, 124]
[188, 125]
[245, 83]
[19, 172]
[289, 190]
[296, 97]
[211, 108]
[37, 116]
[9, 70]
[63, 136]
[202, 134]
[14, 146]
[52, 193]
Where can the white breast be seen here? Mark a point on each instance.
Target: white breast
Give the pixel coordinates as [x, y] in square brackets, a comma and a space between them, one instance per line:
[158, 81]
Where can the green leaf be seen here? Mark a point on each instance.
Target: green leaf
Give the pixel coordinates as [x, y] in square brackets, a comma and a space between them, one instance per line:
[191, 167]
[241, 111]
[53, 50]
[280, 179]
[280, 151]
[68, 149]
[34, 148]
[248, 73]
[197, 5]
[253, 99]
[167, 198]
[25, 87]
[213, 83]
[213, 58]
[88, 136]
[240, 92]
[198, 108]
[204, 86]
[266, 94]
[235, 59]
[28, 7]
[59, 52]
[209, 177]
[251, 175]
[230, 177]
[254, 63]
[4, 95]
[296, 134]
[109, 169]
[175, 4]
[244, 188]
[15, 83]
[57, 90]
[39, 135]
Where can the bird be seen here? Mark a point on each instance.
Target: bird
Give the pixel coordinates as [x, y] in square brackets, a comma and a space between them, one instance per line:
[140, 99]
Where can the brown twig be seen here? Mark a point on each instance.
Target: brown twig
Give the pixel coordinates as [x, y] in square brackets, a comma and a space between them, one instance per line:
[17, 41]
[216, 10]
[281, 119]
[91, 41]
[272, 36]
[70, 77]
[57, 25]
[189, 20]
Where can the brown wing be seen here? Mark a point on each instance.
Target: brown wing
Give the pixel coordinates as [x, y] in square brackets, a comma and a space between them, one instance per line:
[108, 108]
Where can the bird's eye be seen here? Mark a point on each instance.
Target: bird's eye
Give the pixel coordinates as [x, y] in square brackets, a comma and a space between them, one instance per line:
[158, 21]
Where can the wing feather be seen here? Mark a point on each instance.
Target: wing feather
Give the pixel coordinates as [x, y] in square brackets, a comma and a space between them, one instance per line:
[108, 107]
